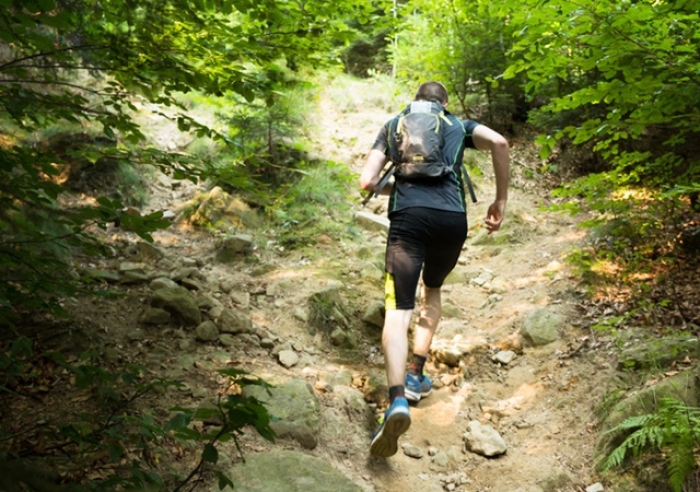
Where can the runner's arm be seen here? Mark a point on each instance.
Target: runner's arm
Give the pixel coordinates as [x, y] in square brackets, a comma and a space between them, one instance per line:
[370, 172]
[486, 139]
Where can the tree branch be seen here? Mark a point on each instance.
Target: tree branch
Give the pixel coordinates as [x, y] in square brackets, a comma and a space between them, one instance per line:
[50, 54]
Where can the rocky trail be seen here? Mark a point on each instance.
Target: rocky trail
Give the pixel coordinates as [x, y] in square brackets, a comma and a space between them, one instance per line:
[515, 382]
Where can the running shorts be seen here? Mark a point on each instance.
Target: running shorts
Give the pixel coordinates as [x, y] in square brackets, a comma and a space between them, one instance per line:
[421, 238]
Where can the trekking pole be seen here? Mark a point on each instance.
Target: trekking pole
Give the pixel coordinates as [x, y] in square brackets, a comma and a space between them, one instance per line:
[380, 186]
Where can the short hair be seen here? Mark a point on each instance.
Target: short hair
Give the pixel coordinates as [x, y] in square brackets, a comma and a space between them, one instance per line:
[432, 91]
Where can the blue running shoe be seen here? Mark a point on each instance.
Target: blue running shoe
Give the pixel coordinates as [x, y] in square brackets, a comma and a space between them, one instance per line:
[417, 387]
[397, 420]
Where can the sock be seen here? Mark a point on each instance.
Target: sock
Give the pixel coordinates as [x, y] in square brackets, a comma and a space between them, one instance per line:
[395, 391]
[416, 367]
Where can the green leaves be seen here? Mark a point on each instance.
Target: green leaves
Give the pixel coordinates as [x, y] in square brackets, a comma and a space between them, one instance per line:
[620, 72]
[674, 427]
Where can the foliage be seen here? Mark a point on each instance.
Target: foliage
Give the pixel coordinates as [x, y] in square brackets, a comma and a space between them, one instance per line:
[462, 43]
[263, 137]
[92, 64]
[317, 203]
[121, 440]
[673, 429]
[625, 72]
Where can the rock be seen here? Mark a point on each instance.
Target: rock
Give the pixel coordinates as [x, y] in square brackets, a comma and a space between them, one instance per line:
[354, 405]
[267, 343]
[338, 337]
[148, 252]
[103, 275]
[282, 346]
[374, 314]
[295, 407]
[241, 298]
[412, 451]
[132, 278]
[207, 332]
[450, 352]
[658, 353]
[154, 316]
[188, 262]
[541, 327]
[182, 273]
[227, 285]
[234, 248]
[137, 335]
[457, 276]
[162, 283]
[179, 302]
[227, 340]
[484, 440]
[596, 487]
[372, 271]
[496, 287]
[231, 321]
[219, 210]
[326, 309]
[504, 357]
[323, 386]
[342, 377]
[372, 222]
[263, 269]
[130, 266]
[191, 284]
[288, 471]
[555, 480]
[450, 310]
[280, 287]
[169, 215]
[288, 358]
[440, 460]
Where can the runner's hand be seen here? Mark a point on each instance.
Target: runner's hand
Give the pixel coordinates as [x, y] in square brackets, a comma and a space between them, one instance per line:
[494, 216]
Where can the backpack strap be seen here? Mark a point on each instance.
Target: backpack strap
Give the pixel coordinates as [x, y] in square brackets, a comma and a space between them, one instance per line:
[381, 184]
[468, 181]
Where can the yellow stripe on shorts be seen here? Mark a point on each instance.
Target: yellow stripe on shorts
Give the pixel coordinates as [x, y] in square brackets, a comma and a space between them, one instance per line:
[389, 292]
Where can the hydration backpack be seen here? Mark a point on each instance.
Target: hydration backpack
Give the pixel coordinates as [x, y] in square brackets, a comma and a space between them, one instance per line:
[415, 147]
[415, 144]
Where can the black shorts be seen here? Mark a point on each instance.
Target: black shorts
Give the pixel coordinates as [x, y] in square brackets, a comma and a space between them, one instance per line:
[421, 238]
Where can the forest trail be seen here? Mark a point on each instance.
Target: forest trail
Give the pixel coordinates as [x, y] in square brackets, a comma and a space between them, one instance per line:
[542, 403]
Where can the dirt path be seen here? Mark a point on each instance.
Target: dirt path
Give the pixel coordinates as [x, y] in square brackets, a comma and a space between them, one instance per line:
[543, 400]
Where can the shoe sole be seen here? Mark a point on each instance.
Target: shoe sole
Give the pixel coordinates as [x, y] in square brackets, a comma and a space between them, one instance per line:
[414, 396]
[385, 443]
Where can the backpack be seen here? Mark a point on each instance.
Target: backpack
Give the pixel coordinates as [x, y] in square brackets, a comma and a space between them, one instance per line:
[415, 147]
[416, 142]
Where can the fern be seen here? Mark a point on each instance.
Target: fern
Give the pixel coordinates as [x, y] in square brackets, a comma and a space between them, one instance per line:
[673, 428]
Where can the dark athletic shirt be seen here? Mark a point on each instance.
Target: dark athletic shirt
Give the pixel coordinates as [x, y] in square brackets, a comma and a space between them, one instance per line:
[445, 193]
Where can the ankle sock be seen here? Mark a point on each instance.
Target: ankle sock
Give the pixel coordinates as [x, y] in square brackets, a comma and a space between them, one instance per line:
[416, 367]
[395, 392]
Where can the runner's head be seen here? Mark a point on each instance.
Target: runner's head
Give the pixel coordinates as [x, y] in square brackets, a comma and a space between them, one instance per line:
[432, 91]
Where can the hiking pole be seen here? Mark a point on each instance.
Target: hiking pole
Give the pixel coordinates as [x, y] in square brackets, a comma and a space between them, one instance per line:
[380, 186]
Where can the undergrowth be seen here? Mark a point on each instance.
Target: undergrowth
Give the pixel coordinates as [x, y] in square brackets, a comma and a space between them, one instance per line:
[673, 430]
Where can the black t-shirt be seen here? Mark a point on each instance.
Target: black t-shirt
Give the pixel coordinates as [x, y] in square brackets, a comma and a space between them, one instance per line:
[446, 193]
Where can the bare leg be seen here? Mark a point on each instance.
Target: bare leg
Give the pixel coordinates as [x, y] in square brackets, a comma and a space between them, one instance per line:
[395, 344]
[430, 311]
